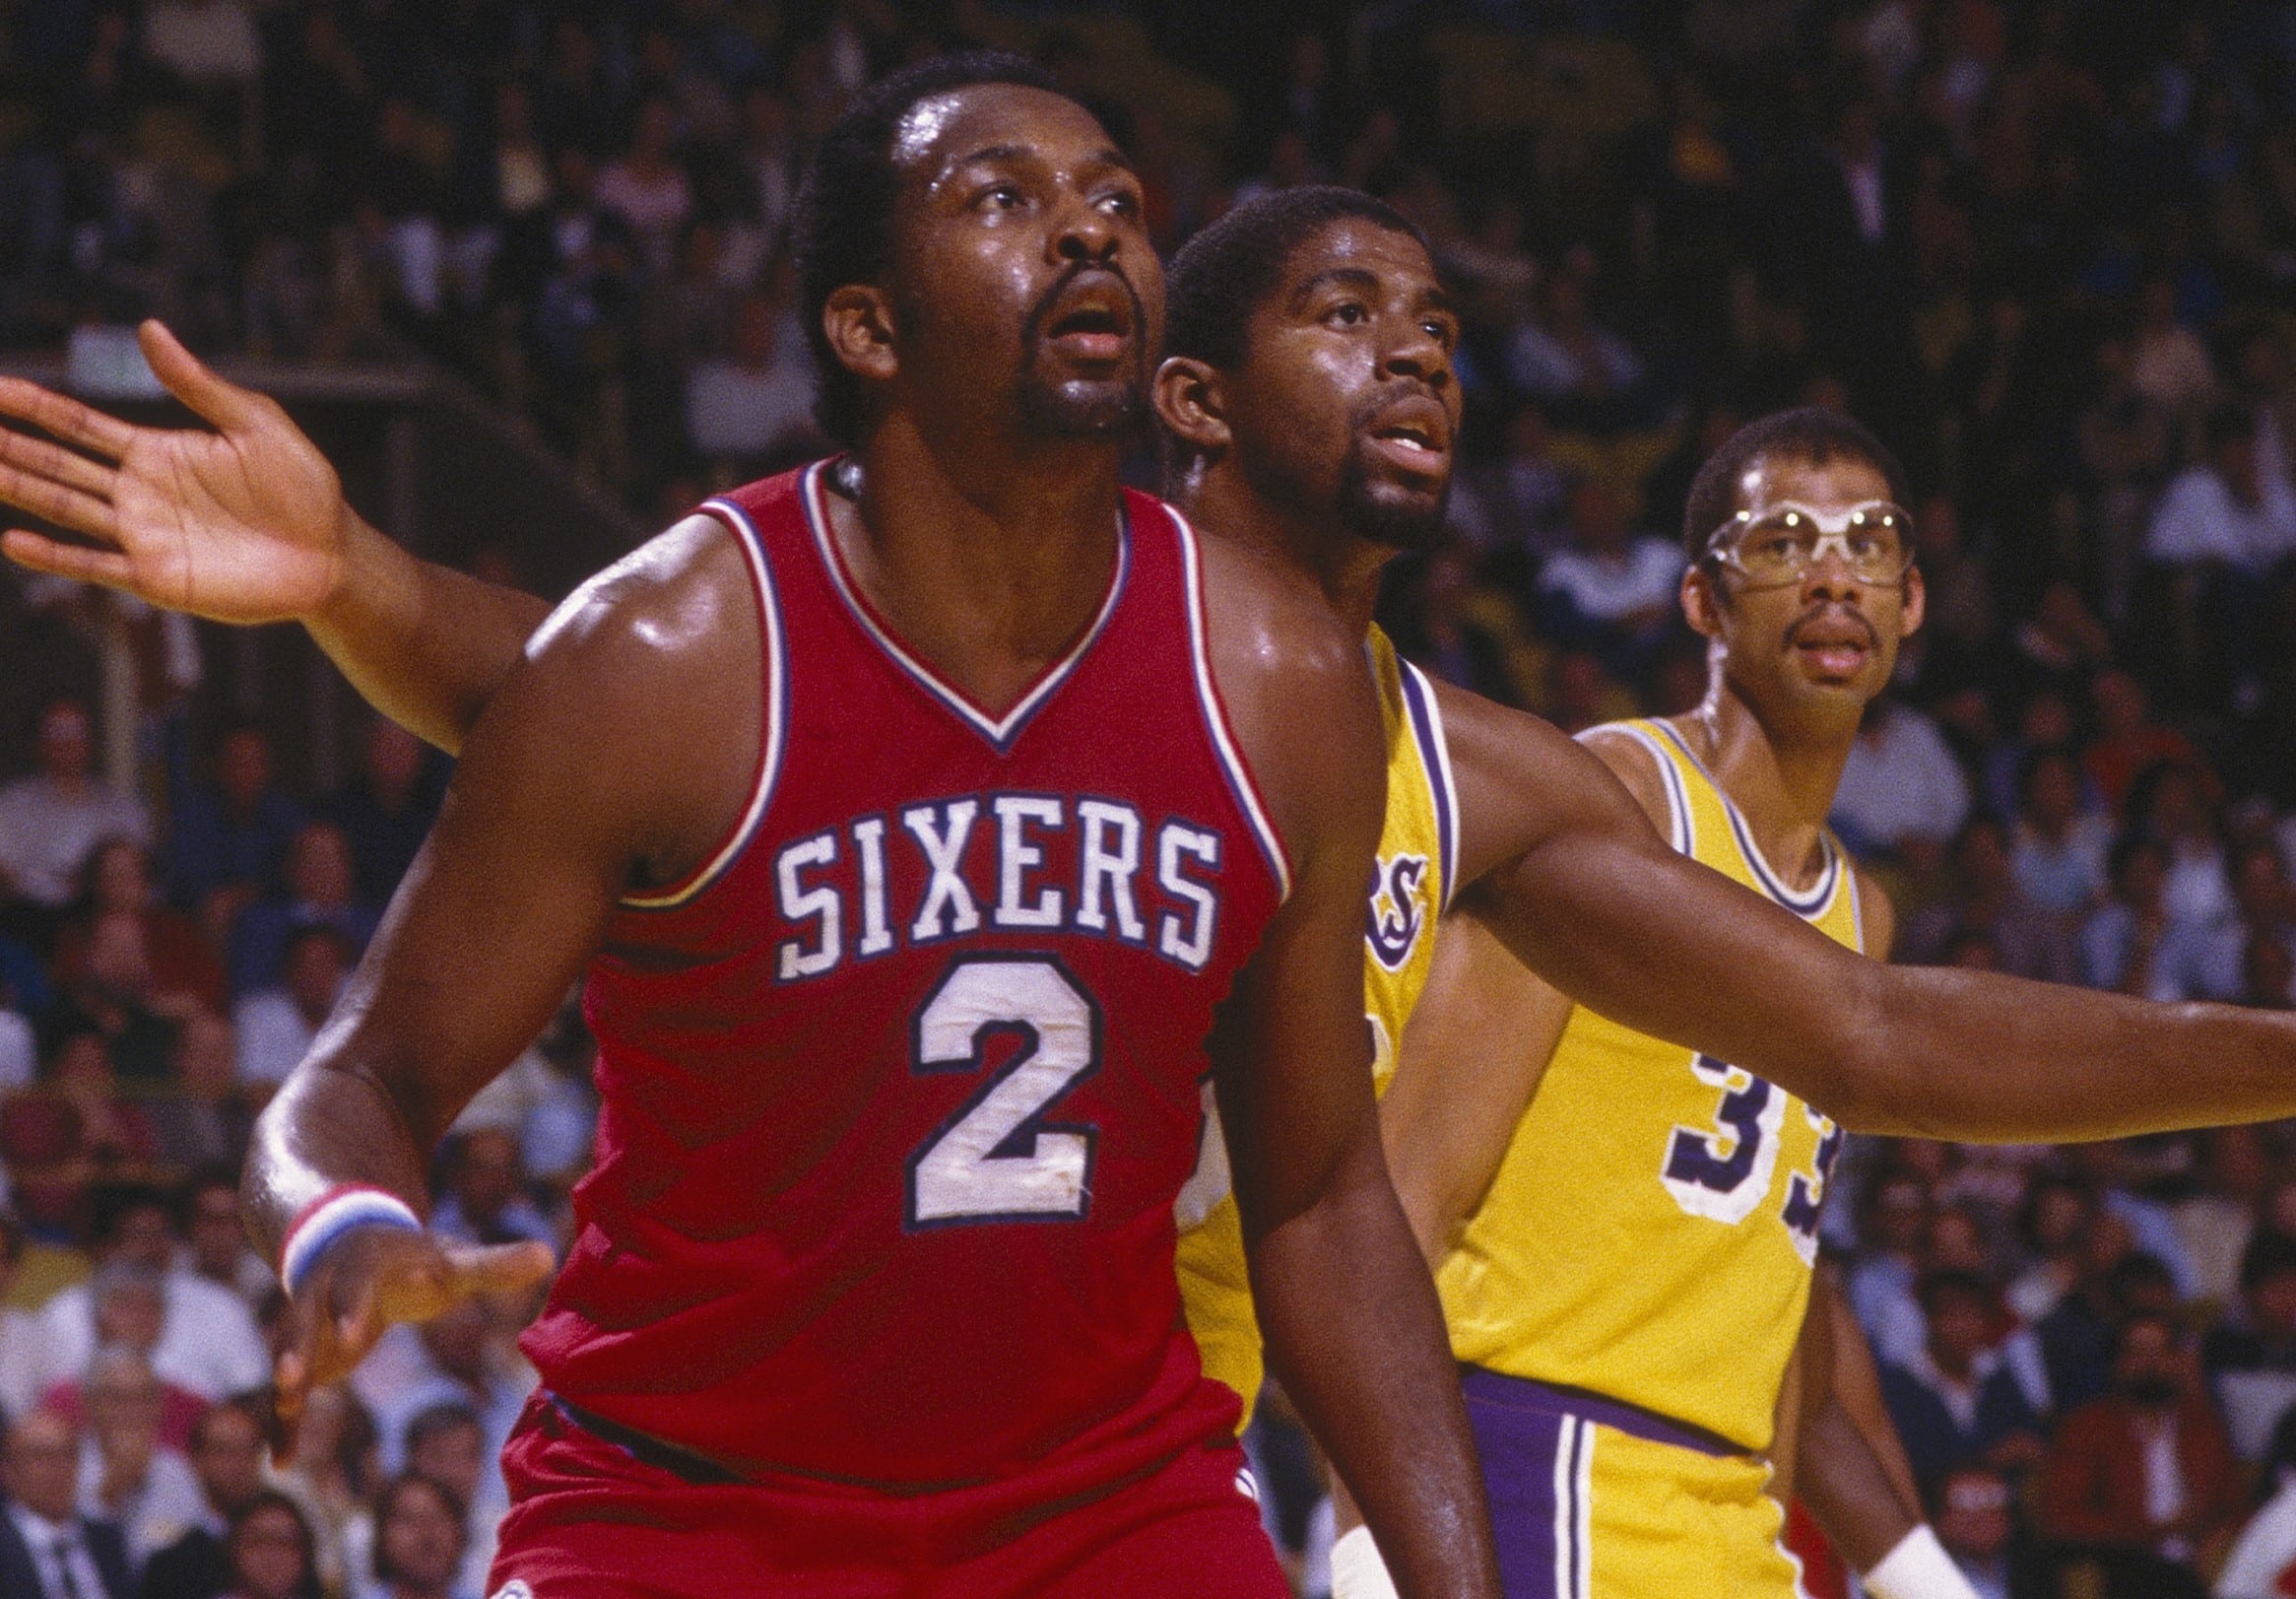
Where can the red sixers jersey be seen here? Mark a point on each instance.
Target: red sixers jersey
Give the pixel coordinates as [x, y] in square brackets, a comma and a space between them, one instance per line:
[898, 1089]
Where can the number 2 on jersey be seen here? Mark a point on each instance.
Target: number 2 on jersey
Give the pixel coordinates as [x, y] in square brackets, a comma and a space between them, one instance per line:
[997, 1159]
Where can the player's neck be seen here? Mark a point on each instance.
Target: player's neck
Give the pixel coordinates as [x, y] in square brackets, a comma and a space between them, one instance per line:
[989, 570]
[1781, 777]
[1344, 567]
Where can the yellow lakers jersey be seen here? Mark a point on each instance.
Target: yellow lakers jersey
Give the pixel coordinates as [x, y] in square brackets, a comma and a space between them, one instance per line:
[1417, 851]
[1650, 1232]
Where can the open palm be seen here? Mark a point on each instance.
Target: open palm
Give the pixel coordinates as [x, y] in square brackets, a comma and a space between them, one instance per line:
[245, 523]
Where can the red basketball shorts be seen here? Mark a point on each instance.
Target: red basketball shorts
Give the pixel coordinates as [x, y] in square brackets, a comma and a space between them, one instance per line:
[590, 1520]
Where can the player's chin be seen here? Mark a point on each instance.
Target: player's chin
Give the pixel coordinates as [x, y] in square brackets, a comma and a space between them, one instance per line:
[1067, 406]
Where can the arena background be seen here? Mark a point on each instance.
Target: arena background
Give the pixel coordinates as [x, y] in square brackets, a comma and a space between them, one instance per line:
[520, 268]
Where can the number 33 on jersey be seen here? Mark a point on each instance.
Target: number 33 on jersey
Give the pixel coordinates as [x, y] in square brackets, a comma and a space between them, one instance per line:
[1655, 1206]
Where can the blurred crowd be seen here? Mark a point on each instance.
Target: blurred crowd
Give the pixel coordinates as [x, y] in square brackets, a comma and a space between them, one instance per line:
[2046, 248]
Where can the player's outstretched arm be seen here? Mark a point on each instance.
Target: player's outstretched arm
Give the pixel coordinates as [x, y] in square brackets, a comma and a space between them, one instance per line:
[1594, 901]
[1344, 1298]
[244, 521]
[604, 764]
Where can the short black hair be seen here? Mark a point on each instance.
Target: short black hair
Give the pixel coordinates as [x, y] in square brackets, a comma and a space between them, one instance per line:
[1223, 274]
[841, 228]
[2268, 1254]
[1953, 1280]
[1807, 432]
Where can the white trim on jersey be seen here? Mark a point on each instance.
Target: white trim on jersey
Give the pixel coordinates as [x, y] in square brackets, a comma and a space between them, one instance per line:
[1683, 831]
[1239, 775]
[777, 718]
[1426, 719]
[1809, 905]
[1000, 731]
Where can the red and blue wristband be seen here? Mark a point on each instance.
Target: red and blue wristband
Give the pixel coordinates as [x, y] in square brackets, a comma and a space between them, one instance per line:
[320, 1223]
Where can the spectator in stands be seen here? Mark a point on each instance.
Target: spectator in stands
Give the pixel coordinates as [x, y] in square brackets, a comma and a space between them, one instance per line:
[1955, 1403]
[2213, 964]
[226, 1456]
[229, 841]
[2052, 1227]
[2144, 1478]
[209, 1345]
[2267, 975]
[752, 408]
[131, 1307]
[1983, 902]
[269, 1552]
[51, 822]
[1893, 1227]
[111, 1135]
[206, 1118]
[1970, 1509]
[2058, 855]
[447, 1442]
[49, 1549]
[485, 1200]
[276, 1026]
[456, 1359]
[386, 809]
[2169, 363]
[2262, 1563]
[22, 1370]
[1612, 591]
[1902, 794]
[2174, 803]
[320, 893]
[181, 961]
[2249, 1357]
[1586, 375]
[2128, 943]
[2078, 1336]
[19, 1048]
[648, 187]
[419, 1541]
[127, 1474]
[333, 1476]
[2127, 738]
[1511, 512]
[113, 996]
[215, 1247]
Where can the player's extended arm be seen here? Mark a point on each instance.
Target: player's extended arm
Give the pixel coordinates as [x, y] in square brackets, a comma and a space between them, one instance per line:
[1604, 910]
[1345, 1301]
[248, 523]
[1472, 1058]
[574, 788]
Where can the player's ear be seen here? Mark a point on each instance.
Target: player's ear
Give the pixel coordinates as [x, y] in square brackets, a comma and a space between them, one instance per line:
[1702, 600]
[1917, 603]
[858, 319]
[1191, 405]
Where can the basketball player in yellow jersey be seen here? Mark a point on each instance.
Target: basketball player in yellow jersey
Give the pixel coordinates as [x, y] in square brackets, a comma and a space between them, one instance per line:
[1410, 885]
[1630, 1255]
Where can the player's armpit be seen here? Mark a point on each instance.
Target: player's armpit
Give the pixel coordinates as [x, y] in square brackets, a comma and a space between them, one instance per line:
[1471, 1062]
[618, 754]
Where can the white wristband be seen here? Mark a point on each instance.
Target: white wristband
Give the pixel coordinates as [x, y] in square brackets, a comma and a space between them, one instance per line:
[1917, 1568]
[333, 1214]
[1357, 1571]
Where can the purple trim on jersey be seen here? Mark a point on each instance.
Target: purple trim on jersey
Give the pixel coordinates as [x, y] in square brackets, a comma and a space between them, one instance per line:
[1805, 905]
[1427, 732]
[1000, 731]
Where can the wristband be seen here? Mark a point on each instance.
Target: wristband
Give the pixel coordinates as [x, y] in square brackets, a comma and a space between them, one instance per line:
[1917, 1568]
[1357, 1571]
[327, 1217]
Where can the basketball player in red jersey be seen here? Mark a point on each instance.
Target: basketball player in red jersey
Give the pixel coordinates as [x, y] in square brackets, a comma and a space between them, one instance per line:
[1277, 461]
[918, 818]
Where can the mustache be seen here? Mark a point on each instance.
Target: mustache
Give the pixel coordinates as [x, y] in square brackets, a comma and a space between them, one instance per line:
[1825, 609]
[1041, 312]
[1368, 410]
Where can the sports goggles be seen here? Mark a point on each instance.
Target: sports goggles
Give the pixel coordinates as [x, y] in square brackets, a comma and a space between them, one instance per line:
[1785, 542]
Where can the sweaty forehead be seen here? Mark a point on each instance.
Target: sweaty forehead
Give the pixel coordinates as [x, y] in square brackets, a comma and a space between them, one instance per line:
[949, 127]
[1360, 245]
[1838, 481]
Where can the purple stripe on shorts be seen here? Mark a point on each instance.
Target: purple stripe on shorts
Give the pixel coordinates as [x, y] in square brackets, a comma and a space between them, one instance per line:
[1497, 1390]
[1519, 1446]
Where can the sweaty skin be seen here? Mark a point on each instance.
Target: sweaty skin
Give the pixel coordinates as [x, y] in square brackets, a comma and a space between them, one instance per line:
[987, 544]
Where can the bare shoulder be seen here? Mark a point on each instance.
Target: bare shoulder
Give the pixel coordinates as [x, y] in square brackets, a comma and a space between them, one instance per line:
[1876, 915]
[1635, 765]
[651, 670]
[1297, 690]
[1521, 778]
